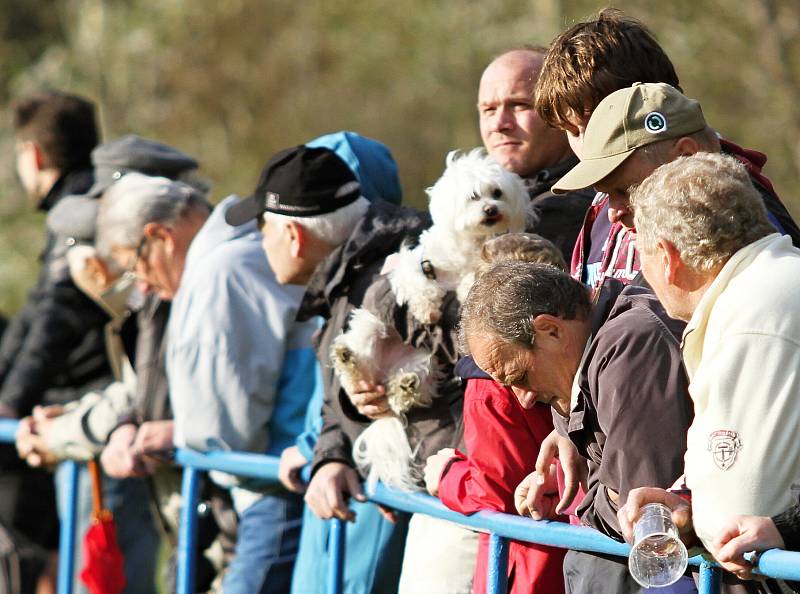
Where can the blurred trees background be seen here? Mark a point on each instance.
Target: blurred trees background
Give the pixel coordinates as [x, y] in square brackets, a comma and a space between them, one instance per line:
[232, 82]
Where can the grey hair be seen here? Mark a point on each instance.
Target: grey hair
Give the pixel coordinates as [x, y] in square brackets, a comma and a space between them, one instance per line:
[659, 152]
[705, 205]
[136, 200]
[505, 301]
[333, 227]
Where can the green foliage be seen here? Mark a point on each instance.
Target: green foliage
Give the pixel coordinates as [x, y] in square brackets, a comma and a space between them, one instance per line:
[232, 82]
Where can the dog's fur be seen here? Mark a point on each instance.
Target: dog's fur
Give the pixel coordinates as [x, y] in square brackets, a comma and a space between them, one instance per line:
[474, 200]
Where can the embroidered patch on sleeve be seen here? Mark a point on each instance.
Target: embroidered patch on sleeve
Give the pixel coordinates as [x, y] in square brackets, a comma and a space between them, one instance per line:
[724, 445]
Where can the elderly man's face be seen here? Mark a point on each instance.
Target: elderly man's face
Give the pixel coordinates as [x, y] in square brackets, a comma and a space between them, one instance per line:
[535, 375]
[277, 243]
[511, 130]
[156, 264]
[655, 268]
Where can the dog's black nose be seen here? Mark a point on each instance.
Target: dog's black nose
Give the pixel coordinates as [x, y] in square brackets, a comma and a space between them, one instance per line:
[490, 210]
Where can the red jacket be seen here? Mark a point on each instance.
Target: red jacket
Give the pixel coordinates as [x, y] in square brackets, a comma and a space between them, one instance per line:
[503, 440]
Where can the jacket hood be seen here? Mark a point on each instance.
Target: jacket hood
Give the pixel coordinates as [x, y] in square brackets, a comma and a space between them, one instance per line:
[216, 231]
[371, 162]
[753, 161]
[376, 235]
[466, 369]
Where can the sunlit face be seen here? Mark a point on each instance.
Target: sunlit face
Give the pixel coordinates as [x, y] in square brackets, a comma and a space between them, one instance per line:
[534, 375]
[633, 171]
[511, 129]
[276, 242]
[27, 168]
[156, 270]
[654, 266]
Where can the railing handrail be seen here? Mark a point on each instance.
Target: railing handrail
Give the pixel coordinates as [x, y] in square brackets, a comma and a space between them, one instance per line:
[774, 563]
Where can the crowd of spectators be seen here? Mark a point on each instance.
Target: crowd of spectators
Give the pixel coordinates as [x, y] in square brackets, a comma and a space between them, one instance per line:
[637, 343]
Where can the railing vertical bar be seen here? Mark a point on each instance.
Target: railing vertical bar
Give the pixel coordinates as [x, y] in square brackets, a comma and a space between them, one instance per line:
[187, 531]
[710, 579]
[336, 548]
[69, 525]
[497, 565]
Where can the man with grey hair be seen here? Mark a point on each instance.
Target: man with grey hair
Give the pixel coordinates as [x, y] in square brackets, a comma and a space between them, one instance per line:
[721, 267]
[240, 367]
[532, 327]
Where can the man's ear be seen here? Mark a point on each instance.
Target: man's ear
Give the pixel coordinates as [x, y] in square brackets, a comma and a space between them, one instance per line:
[685, 146]
[546, 326]
[297, 239]
[671, 264]
[99, 271]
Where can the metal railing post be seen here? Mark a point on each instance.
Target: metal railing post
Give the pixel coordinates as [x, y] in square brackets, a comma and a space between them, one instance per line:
[497, 565]
[710, 579]
[68, 527]
[336, 550]
[187, 531]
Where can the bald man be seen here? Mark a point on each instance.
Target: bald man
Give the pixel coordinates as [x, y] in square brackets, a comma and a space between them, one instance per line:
[515, 135]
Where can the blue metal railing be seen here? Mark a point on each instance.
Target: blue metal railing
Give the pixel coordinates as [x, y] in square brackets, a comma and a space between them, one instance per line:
[501, 527]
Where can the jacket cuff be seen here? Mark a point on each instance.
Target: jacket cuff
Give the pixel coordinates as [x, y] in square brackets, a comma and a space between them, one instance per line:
[788, 525]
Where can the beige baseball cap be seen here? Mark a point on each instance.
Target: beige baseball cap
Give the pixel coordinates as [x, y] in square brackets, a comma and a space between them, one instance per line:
[626, 120]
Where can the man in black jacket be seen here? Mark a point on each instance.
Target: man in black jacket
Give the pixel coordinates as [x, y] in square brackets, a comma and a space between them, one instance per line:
[53, 350]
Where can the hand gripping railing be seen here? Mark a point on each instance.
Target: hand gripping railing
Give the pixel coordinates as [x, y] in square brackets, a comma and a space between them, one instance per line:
[501, 527]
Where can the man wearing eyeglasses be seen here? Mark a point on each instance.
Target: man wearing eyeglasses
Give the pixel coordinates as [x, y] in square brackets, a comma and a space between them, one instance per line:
[240, 367]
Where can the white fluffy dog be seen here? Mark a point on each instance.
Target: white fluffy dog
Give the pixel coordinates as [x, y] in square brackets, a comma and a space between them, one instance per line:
[474, 200]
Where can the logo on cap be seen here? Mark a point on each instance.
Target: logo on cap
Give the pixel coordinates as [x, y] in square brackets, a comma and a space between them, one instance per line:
[273, 200]
[655, 123]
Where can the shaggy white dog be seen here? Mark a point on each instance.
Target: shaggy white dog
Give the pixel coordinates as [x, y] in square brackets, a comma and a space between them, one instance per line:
[474, 200]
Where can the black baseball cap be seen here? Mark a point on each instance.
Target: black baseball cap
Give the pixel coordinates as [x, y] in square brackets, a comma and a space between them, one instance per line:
[301, 182]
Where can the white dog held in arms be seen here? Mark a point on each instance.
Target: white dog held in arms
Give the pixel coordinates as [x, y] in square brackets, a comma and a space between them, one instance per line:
[474, 200]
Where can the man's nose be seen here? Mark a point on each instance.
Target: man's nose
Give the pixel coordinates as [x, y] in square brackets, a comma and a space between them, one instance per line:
[504, 119]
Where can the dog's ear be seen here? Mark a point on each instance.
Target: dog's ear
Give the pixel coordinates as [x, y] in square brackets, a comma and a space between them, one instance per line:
[452, 156]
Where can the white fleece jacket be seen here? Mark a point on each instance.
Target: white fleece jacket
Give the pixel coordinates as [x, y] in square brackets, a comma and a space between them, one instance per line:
[742, 352]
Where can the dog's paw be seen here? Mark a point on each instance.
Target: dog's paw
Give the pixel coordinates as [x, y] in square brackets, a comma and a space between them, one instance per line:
[404, 391]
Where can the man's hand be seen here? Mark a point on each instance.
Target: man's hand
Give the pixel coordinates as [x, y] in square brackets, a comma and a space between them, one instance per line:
[434, 466]
[292, 462]
[32, 447]
[153, 437]
[370, 400]
[742, 534]
[637, 498]
[118, 458]
[537, 495]
[329, 488]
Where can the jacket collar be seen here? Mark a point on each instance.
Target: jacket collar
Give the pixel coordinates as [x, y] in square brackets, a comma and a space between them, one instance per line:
[541, 181]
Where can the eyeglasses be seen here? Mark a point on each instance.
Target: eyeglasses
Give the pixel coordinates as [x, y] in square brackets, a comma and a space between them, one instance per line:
[139, 254]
